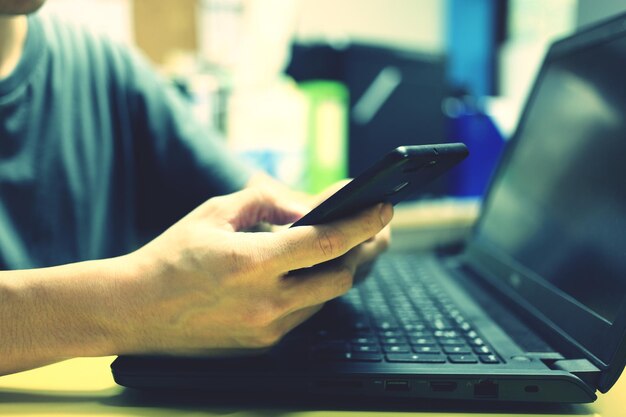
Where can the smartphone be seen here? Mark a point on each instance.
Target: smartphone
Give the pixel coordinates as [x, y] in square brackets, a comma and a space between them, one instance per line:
[398, 175]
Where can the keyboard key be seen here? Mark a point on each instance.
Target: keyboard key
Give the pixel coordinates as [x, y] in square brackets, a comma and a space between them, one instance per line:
[465, 326]
[439, 324]
[445, 333]
[364, 340]
[365, 348]
[426, 349]
[462, 359]
[390, 333]
[482, 350]
[415, 358]
[393, 340]
[387, 325]
[423, 341]
[452, 341]
[476, 341]
[421, 333]
[414, 327]
[396, 348]
[458, 350]
[489, 359]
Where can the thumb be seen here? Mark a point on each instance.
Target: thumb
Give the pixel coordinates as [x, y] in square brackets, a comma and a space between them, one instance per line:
[249, 207]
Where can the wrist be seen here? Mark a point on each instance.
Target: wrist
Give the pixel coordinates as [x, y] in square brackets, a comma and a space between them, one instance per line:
[106, 314]
[122, 315]
[143, 284]
[74, 310]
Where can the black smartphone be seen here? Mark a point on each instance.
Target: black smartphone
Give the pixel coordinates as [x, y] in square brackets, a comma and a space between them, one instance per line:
[398, 175]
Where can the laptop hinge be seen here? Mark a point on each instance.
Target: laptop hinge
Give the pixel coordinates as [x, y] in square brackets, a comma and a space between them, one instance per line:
[582, 368]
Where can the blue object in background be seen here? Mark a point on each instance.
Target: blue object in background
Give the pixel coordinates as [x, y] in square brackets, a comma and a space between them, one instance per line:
[473, 32]
[471, 45]
[485, 143]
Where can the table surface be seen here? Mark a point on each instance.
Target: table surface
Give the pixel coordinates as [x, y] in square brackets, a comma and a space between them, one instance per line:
[85, 386]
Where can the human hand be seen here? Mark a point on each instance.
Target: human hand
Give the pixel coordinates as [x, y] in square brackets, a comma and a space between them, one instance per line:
[362, 257]
[205, 287]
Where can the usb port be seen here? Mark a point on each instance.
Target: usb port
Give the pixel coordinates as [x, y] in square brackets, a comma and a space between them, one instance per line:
[397, 385]
[486, 389]
[443, 386]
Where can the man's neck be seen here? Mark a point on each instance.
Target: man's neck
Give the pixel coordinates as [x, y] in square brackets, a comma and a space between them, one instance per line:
[13, 31]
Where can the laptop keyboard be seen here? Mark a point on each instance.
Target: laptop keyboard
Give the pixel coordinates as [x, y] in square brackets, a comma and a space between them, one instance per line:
[399, 314]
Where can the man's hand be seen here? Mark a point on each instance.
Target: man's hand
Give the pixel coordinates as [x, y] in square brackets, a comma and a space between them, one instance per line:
[209, 288]
[362, 256]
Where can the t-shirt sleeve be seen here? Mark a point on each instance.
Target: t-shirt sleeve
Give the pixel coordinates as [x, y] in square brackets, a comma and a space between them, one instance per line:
[179, 162]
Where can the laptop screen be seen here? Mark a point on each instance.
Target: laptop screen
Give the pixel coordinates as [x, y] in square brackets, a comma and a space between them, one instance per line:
[559, 206]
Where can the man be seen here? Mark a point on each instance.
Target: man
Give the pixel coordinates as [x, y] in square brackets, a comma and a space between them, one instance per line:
[98, 162]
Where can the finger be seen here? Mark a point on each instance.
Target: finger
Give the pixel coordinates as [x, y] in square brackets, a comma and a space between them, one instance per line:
[384, 234]
[304, 246]
[247, 208]
[369, 250]
[319, 284]
[367, 253]
[332, 279]
[297, 200]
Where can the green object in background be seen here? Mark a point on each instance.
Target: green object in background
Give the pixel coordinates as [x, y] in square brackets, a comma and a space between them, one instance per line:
[327, 156]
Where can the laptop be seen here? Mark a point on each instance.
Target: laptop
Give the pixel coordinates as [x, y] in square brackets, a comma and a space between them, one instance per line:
[532, 308]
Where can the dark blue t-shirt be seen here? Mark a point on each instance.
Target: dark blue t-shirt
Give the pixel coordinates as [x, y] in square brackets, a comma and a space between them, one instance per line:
[97, 154]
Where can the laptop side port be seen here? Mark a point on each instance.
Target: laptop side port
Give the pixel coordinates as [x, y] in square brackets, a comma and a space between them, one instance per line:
[397, 385]
[486, 389]
[443, 386]
[531, 389]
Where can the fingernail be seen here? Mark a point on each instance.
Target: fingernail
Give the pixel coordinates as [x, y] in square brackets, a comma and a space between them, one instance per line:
[386, 213]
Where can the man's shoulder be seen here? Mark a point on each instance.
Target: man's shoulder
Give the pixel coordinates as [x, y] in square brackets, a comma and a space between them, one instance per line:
[79, 49]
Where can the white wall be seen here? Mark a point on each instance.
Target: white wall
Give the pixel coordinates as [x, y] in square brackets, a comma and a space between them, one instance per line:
[414, 24]
[533, 26]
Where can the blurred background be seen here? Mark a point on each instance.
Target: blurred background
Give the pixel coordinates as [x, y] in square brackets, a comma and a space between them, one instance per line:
[313, 91]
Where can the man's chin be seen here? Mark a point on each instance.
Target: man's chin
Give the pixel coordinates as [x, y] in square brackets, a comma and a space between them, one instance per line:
[19, 7]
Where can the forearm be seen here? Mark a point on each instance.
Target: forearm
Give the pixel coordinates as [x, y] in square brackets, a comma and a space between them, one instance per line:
[52, 314]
